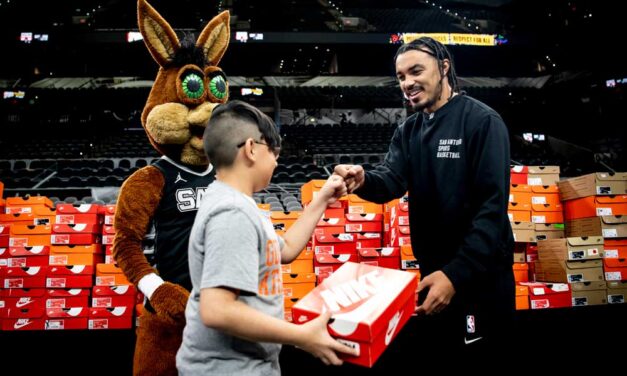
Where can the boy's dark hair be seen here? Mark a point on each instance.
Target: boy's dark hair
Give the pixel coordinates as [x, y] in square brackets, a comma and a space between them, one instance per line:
[233, 123]
[438, 51]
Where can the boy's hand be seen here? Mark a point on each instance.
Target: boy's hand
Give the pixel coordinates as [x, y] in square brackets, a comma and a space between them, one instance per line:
[353, 176]
[333, 189]
[317, 341]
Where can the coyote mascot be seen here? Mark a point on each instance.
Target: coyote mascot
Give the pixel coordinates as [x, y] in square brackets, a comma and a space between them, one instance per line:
[166, 194]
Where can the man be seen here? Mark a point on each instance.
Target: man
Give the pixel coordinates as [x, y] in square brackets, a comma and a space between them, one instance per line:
[452, 156]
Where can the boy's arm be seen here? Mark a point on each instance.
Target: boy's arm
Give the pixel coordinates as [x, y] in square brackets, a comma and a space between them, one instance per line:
[297, 236]
[221, 310]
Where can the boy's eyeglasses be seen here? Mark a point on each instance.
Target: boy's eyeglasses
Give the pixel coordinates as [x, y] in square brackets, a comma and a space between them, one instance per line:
[275, 150]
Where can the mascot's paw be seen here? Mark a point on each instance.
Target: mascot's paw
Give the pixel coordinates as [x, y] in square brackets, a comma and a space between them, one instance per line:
[169, 301]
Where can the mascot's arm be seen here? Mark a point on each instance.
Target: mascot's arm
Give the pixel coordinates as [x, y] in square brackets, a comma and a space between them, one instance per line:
[137, 203]
[138, 200]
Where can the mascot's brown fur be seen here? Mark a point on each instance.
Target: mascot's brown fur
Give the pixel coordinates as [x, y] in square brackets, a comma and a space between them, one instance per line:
[174, 118]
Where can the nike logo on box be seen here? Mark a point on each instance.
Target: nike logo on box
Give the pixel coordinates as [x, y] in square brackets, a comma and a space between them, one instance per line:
[392, 327]
[21, 323]
[469, 341]
[22, 303]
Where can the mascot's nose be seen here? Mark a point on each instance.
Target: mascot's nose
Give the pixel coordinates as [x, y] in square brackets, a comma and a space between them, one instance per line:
[200, 115]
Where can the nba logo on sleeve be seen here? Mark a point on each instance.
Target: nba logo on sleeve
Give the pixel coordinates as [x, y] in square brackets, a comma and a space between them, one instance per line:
[470, 324]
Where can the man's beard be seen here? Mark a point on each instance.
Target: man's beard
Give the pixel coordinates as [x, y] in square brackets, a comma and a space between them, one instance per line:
[431, 101]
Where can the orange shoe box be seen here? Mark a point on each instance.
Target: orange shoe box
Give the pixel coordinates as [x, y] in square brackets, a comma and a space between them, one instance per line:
[43, 215]
[545, 194]
[75, 254]
[370, 305]
[30, 235]
[520, 193]
[26, 204]
[522, 297]
[408, 260]
[357, 205]
[547, 213]
[284, 220]
[388, 257]
[298, 266]
[305, 254]
[18, 219]
[521, 272]
[110, 275]
[296, 286]
[595, 206]
[518, 212]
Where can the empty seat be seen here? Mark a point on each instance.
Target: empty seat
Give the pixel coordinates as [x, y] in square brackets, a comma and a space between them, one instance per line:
[70, 200]
[140, 163]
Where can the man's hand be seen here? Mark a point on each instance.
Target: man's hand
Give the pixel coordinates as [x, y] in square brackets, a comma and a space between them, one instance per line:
[353, 176]
[441, 292]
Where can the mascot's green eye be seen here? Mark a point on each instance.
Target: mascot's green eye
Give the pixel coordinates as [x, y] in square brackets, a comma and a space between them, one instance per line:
[193, 86]
[217, 85]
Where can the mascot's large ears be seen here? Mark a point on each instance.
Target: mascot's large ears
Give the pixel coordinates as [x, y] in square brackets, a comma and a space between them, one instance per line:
[163, 43]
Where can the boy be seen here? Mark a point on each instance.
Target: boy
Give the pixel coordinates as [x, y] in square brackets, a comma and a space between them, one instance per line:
[235, 311]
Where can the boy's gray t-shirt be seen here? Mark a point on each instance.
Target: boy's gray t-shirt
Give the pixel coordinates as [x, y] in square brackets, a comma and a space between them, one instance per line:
[232, 244]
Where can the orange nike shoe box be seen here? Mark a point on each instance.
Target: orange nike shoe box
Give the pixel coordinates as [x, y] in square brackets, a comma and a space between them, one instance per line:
[387, 257]
[75, 254]
[110, 318]
[357, 205]
[18, 218]
[408, 260]
[284, 220]
[369, 306]
[298, 266]
[310, 189]
[30, 235]
[522, 297]
[26, 204]
[110, 275]
[520, 193]
[43, 215]
[519, 212]
[595, 206]
[296, 286]
[547, 213]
